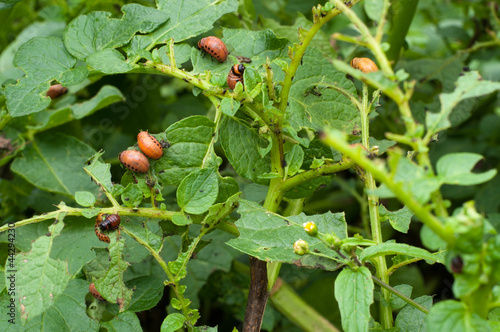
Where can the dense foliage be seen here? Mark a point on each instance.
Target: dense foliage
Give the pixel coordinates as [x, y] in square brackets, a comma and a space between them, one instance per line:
[365, 199]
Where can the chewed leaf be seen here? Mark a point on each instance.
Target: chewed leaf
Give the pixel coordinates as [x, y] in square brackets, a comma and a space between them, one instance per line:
[40, 279]
[88, 34]
[469, 85]
[312, 106]
[189, 18]
[400, 220]
[455, 168]
[43, 60]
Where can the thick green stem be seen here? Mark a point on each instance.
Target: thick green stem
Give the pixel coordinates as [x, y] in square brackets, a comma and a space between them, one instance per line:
[373, 202]
[402, 15]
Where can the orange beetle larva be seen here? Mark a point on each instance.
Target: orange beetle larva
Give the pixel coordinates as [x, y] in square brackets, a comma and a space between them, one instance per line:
[149, 145]
[364, 64]
[134, 160]
[215, 47]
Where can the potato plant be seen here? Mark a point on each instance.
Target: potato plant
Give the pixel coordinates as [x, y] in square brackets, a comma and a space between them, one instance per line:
[354, 153]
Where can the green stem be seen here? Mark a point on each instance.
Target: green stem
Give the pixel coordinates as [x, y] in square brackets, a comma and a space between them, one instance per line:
[315, 173]
[402, 16]
[400, 295]
[153, 212]
[218, 113]
[405, 197]
[171, 278]
[373, 203]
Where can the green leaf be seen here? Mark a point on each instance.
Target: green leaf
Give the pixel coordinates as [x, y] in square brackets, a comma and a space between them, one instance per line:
[469, 85]
[6, 4]
[67, 313]
[211, 329]
[455, 168]
[189, 19]
[106, 96]
[218, 211]
[389, 248]
[255, 192]
[397, 302]
[54, 162]
[88, 34]
[36, 29]
[413, 178]
[40, 279]
[430, 239]
[454, 316]
[181, 219]
[315, 107]
[139, 228]
[354, 293]
[308, 188]
[373, 9]
[109, 61]
[241, 143]
[270, 237]
[100, 172]
[229, 106]
[148, 290]
[182, 53]
[28, 96]
[132, 196]
[411, 319]
[320, 41]
[173, 322]
[294, 159]
[228, 187]
[76, 242]
[257, 45]
[124, 321]
[400, 219]
[111, 285]
[198, 191]
[85, 198]
[190, 140]
[217, 255]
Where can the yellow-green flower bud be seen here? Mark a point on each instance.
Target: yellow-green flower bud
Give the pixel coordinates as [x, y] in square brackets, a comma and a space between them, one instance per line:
[311, 228]
[300, 247]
